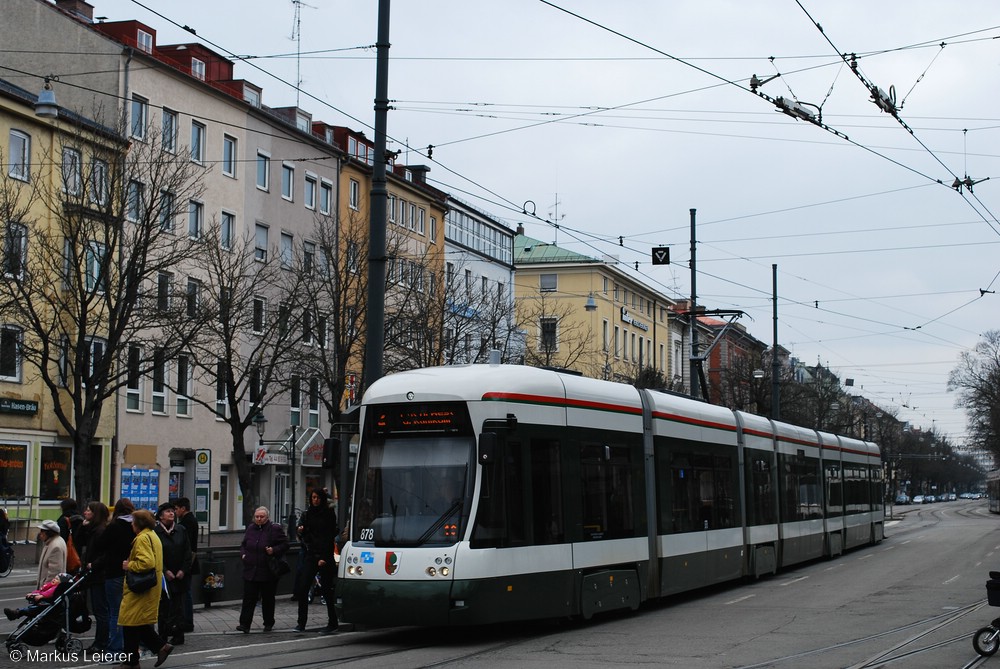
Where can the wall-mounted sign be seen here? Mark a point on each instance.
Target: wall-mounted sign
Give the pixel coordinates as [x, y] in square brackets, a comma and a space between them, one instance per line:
[627, 318]
[11, 405]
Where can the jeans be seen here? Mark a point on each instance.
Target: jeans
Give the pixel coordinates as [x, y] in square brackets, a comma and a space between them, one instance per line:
[113, 590]
[327, 581]
[99, 604]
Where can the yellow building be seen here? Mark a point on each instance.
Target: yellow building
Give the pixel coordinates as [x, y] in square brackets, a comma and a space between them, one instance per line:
[48, 169]
[589, 315]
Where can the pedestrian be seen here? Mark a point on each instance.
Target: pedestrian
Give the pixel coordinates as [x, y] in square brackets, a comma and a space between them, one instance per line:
[95, 521]
[111, 549]
[139, 610]
[53, 559]
[176, 571]
[318, 530]
[190, 523]
[262, 540]
[70, 519]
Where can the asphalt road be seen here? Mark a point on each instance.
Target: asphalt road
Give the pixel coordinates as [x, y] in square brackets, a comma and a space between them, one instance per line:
[912, 601]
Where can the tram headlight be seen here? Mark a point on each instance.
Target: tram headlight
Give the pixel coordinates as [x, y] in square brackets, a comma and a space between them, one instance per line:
[350, 570]
[444, 571]
[360, 571]
[431, 571]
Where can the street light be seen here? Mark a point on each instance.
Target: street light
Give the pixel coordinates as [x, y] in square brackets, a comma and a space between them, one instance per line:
[261, 424]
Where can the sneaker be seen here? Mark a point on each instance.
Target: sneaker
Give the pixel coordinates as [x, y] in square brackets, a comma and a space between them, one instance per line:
[329, 629]
[12, 614]
[300, 628]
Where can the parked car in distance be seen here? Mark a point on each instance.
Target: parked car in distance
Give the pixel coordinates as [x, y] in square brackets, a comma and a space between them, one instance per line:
[902, 498]
[929, 499]
[918, 499]
[952, 497]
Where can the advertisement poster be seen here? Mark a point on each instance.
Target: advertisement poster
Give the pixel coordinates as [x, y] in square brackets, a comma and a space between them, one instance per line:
[55, 466]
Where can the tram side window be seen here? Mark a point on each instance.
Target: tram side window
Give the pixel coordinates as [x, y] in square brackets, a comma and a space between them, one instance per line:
[800, 487]
[877, 494]
[760, 485]
[548, 524]
[856, 479]
[837, 484]
[704, 492]
[608, 503]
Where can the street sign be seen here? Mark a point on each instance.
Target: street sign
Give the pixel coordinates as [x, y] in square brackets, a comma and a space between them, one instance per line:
[661, 255]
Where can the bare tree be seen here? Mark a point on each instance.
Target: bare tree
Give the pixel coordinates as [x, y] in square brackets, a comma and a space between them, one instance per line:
[478, 317]
[976, 379]
[95, 239]
[554, 337]
[252, 338]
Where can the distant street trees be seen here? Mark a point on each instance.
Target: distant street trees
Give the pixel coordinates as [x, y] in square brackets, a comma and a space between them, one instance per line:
[976, 380]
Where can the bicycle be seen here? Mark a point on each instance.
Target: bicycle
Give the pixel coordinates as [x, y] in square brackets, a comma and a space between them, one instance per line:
[986, 640]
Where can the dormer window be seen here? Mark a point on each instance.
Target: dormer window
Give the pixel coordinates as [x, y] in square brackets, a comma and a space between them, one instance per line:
[198, 69]
[144, 41]
[251, 96]
[303, 122]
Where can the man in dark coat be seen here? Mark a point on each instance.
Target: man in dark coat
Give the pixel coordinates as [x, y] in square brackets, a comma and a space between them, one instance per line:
[176, 571]
[318, 532]
[190, 524]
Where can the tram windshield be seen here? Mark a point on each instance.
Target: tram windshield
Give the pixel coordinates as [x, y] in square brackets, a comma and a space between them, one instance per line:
[412, 490]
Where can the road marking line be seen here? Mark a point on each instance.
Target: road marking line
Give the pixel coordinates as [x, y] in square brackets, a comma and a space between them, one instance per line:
[740, 599]
[793, 581]
[887, 548]
[953, 578]
[865, 557]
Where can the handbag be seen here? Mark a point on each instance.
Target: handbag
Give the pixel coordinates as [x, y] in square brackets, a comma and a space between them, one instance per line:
[277, 566]
[140, 581]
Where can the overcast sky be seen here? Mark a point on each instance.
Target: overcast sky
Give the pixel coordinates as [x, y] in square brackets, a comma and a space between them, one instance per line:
[627, 114]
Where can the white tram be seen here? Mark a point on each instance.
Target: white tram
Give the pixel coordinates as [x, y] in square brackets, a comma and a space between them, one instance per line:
[493, 493]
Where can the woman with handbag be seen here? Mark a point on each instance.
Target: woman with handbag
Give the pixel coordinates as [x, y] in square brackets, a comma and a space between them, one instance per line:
[141, 601]
[263, 549]
[318, 530]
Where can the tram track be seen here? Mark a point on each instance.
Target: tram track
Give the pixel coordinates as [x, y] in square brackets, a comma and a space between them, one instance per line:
[885, 657]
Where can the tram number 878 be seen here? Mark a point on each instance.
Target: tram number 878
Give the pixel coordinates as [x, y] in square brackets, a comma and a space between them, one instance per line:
[367, 534]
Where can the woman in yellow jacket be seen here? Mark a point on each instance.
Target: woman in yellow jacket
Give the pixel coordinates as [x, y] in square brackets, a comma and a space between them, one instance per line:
[139, 610]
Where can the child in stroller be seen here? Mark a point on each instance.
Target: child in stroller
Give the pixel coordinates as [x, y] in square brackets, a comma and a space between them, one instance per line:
[55, 611]
[39, 598]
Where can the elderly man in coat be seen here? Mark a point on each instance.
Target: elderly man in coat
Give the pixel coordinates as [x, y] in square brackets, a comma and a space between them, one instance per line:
[53, 559]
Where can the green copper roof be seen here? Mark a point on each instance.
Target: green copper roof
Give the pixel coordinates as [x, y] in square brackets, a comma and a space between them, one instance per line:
[528, 250]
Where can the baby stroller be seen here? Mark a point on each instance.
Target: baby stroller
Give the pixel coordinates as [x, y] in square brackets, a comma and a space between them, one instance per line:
[59, 617]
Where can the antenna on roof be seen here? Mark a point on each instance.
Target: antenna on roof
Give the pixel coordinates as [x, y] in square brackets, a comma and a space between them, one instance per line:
[297, 36]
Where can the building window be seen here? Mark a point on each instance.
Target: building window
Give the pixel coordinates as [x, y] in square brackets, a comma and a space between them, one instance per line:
[193, 297]
[287, 250]
[15, 250]
[547, 282]
[604, 338]
[390, 209]
[259, 313]
[355, 195]
[72, 171]
[99, 182]
[251, 96]
[412, 220]
[198, 69]
[314, 402]
[434, 230]
[133, 204]
[548, 334]
[169, 130]
[221, 385]
[295, 401]
[184, 371]
[325, 197]
[229, 156]
[94, 355]
[287, 181]
[144, 41]
[133, 381]
[263, 171]
[309, 194]
[322, 331]
[617, 347]
[421, 214]
[227, 227]
[260, 242]
[163, 280]
[197, 142]
[308, 257]
[307, 327]
[96, 257]
[166, 211]
[10, 353]
[160, 383]
[140, 116]
[19, 155]
[196, 219]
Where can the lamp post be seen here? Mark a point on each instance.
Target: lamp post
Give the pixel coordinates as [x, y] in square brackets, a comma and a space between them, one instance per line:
[261, 424]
